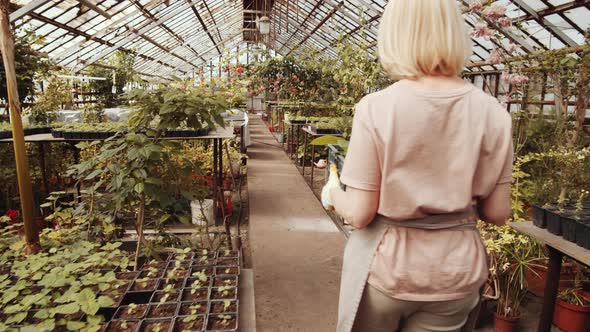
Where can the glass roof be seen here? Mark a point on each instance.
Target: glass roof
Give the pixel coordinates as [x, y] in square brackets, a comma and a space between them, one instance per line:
[181, 36]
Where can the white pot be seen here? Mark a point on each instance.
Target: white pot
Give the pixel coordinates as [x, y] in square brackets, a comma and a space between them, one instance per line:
[201, 218]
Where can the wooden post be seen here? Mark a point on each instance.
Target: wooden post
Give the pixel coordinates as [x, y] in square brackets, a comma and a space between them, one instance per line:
[18, 137]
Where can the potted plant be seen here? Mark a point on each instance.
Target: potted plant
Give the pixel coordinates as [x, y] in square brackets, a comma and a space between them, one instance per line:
[511, 256]
[572, 311]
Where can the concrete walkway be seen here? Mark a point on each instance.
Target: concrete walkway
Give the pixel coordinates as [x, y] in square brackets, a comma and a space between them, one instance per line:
[296, 249]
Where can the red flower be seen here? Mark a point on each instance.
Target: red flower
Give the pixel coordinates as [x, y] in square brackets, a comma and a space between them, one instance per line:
[240, 70]
[12, 214]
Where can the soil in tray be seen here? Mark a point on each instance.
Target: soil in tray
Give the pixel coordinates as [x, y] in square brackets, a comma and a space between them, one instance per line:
[200, 269]
[195, 295]
[165, 296]
[221, 307]
[197, 282]
[126, 275]
[118, 286]
[221, 323]
[175, 282]
[190, 323]
[151, 274]
[119, 325]
[163, 310]
[227, 261]
[144, 286]
[180, 264]
[177, 274]
[226, 281]
[226, 270]
[223, 294]
[204, 261]
[159, 325]
[157, 264]
[137, 313]
[193, 308]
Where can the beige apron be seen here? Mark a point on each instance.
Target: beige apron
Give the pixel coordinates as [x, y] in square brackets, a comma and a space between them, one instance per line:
[362, 245]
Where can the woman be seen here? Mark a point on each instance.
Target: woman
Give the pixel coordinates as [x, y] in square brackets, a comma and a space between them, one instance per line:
[428, 156]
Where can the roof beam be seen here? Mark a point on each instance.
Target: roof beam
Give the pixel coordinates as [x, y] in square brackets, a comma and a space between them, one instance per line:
[322, 22]
[545, 23]
[552, 10]
[152, 18]
[130, 36]
[95, 8]
[317, 5]
[24, 10]
[203, 24]
[158, 45]
[87, 36]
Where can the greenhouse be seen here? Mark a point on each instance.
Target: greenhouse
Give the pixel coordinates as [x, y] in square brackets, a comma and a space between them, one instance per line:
[303, 165]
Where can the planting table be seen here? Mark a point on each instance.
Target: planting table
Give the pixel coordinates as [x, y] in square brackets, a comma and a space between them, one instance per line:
[294, 129]
[558, 247]
[217, 136]
[308, 133]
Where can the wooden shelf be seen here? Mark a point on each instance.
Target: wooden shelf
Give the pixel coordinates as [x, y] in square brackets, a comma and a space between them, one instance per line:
[555, 241]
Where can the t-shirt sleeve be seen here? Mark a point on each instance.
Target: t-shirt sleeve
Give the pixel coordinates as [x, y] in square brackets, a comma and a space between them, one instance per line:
[362, 168]
[506, 175]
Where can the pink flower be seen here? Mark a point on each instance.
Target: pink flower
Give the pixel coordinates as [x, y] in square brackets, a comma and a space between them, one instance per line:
[505, 22]
[514, 79]
[496, 56]
[494, 12]
[481, 30]
[512, 47]
[475, 6]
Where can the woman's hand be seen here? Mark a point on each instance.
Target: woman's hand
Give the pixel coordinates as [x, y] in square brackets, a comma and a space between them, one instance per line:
[333, 183]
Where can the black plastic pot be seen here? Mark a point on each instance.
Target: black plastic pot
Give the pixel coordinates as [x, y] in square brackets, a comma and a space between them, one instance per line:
[326, 131]
[583, 234]
[539, 219]
[568, 227]
[553, 221]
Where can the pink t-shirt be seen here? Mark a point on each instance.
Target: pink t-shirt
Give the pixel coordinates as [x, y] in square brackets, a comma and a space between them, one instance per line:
[428, 153]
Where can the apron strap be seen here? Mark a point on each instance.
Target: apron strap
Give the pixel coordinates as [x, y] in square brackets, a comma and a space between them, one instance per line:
[465, 220]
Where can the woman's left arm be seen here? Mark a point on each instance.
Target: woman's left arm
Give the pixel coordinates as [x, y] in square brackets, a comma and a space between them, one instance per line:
[358, 207]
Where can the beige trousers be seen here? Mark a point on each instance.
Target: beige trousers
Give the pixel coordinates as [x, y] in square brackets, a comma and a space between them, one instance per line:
[380, 313]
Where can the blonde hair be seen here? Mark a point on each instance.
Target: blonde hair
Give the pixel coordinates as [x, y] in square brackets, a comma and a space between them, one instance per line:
[423, 38]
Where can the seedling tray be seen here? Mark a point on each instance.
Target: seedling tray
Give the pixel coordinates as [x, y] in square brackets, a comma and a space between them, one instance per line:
[211, 323]
[196, 323]
[149, 325]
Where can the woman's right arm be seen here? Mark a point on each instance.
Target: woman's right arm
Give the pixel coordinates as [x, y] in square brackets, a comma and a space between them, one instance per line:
[495, 209]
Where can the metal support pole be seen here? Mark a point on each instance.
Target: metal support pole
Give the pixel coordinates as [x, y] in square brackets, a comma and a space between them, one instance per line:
[215, 178]
[551, 288]
[43, 167]
[18, 137]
